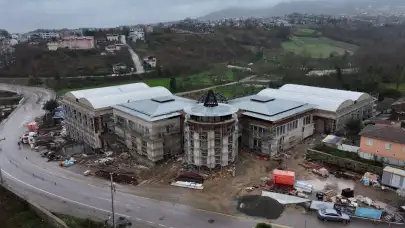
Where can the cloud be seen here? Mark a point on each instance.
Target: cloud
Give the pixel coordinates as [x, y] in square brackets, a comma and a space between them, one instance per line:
[25, 15]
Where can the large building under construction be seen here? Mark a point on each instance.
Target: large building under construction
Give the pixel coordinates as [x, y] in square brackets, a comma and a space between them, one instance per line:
[154, 123]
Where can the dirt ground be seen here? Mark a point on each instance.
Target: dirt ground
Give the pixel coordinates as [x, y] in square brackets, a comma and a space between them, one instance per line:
[221, 189]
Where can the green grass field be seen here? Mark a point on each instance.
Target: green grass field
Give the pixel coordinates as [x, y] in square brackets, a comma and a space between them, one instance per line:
[306, 32]
[219, 75]
[401, 86]
[320, 47]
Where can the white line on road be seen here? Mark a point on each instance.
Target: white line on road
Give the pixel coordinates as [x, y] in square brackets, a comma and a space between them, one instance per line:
[149, 222]
[63, 198]
[138, 219]
[161, 225]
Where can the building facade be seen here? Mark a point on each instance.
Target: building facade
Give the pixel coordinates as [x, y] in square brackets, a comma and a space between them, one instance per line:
[77, 42]
[48, 35]
[383, 143]
[270, 125]
[152, 128]
[211, 133]
[88, 113]
[334, 108]
[154, 123]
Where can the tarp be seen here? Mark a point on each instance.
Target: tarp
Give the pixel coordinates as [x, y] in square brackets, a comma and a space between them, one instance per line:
[284, 199]
[316, 205]
[333, 139]
[368, 213]
[303, 186]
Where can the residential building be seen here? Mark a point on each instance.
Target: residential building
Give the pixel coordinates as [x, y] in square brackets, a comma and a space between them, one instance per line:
[52, 46]
[149, 61]
[136, 34]
[333, 107]
[383, 143]
[113, 37]
[112, 48]
[149, 29]
[152, 127]
[48, 35]
[77, 42]
[270, 125]
[398, 109]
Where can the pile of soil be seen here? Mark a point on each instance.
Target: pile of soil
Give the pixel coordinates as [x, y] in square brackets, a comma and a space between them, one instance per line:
[118, 177]
[260, 206]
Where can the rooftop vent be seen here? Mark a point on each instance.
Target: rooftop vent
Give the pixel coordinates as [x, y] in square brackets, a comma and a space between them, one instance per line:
[261, 99]
[162, 99]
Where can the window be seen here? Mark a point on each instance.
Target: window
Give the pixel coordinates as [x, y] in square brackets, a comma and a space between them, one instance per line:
[388, 146]
[369, 142]
[307, 120]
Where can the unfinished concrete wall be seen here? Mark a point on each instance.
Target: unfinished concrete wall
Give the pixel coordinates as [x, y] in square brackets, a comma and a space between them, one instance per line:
[155, 140]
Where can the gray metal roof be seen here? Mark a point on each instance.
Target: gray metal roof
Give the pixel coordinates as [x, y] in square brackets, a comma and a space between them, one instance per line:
[156, 108]
[268, 108]
[220, 110]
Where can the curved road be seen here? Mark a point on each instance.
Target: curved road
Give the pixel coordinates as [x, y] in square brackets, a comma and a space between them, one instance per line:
[62, 191]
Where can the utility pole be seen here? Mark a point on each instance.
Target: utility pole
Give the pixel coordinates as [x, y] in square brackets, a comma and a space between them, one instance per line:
[1, 173]
[112, 199]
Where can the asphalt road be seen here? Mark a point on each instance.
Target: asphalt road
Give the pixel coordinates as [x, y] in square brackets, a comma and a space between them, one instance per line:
[62, 191]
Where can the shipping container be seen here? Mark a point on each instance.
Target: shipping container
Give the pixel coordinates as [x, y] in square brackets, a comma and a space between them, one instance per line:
[283, 177]
[393, 177]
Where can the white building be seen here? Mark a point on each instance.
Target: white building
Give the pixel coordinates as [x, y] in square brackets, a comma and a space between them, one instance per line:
[48, 35]
[113, 37]
[136, 34]
[333, 107]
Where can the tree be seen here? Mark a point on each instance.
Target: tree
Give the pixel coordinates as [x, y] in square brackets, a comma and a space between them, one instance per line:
[50, 105]
[354, 126]
[173, 85]
[263, 225]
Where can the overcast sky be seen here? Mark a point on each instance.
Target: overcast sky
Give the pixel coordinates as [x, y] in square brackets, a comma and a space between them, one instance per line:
[26, 15]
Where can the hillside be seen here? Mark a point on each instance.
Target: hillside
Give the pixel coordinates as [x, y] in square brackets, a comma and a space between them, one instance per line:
[328, 7]
[39, 62]
[184, 54]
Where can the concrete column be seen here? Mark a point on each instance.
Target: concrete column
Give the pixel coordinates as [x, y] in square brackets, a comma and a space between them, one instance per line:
[196, 151]
[224, 155]
[211, 148]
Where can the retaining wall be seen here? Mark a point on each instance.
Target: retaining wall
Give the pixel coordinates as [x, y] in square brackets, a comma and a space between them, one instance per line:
[41, 212]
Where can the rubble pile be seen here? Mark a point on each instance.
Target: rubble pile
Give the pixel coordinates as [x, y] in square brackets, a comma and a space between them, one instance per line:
[260, 206]
[118, 176]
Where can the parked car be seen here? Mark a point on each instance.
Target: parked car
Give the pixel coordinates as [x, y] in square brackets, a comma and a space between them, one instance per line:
[333, 215]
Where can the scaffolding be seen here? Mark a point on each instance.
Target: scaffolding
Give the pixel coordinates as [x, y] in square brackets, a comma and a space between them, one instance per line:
[155, 146]
[211, 145]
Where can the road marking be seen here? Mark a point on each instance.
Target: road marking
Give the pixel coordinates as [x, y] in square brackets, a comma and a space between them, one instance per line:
[161, 225]
[138, 219]
[213, 212]
[61, 197]
[150, 222]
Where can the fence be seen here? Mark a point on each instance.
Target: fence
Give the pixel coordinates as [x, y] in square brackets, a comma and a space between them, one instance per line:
[341, 162]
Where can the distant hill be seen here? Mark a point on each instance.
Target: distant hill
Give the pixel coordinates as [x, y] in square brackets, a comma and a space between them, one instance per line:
[329, 7]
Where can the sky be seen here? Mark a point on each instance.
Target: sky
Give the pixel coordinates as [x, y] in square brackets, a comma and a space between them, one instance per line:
[28, 15]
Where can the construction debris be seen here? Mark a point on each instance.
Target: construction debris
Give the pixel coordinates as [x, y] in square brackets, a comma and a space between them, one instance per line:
[260, 206]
